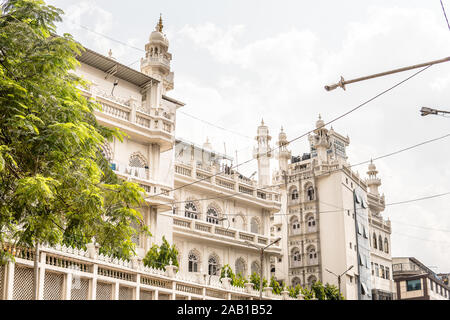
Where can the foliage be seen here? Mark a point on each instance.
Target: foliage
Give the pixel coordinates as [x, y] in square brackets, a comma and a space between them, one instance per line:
[255, 279]
[236, 280]
[277, 287]
[294, 291]
[159, 257]
[55, 184]
[332, 292]
[318, 290]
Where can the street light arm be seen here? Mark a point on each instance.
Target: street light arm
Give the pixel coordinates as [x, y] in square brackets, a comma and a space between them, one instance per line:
[272, 243]
[332, 272]
[347, 270]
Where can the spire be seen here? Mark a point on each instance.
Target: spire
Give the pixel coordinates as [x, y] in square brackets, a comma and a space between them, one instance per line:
[262, 121]
[160, 26]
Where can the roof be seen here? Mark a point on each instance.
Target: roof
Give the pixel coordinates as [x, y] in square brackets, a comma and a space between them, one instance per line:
[108, 65]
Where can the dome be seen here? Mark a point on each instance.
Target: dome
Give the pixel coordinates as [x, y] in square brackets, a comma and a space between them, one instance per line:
[158, 36]
[320, 123]
[282, 136]
[372, 167]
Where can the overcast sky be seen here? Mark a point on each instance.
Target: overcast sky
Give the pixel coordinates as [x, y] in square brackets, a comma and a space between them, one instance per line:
[236, 62]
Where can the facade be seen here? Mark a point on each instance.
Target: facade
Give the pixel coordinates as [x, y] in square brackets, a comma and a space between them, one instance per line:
[383, 287]
[210, 221]
[415, 281]
[329, 216]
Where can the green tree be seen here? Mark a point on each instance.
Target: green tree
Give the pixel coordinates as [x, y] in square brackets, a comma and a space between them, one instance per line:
[332, 293]
[159, 257]
[236, 280]
[318, 290]
[255, 279]
[276, 286]
[55, 184]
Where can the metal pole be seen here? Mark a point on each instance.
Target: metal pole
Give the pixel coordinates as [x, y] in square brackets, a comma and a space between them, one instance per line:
[261, 273]
[339, 285]
[343, 82]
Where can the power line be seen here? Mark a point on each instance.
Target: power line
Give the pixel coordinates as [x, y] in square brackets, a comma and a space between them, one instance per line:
[418, 199]
[420, 227]
[325, 173]
[445, 15]
[311, 131]
[110, 38]
[430, 240]
[216, 126]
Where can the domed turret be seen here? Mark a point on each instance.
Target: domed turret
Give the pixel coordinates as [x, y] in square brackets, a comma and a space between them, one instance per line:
[157, 58]
[283, 153]
[373, 182]
[320, 123]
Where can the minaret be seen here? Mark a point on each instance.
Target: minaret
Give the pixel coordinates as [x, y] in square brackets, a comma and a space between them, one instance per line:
[320, 141]
[373, 182]
[283, 153]
[157, 58]
[263, 153]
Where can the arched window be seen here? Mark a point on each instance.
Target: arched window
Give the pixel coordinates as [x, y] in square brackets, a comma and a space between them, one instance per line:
[380, 243]
[240, 267]
[386, 245]
[190, 210]
[213, 265]
[272, 268]
[255, 267]
[296, 282]
[212, 216]
[194, 261]
[312, 255]
[296, 256]
[311, 222]
[310, 193]
[311, 280]
[254, 225]
[374, 241]
[294, 194]
[295, 225]
[239, 222]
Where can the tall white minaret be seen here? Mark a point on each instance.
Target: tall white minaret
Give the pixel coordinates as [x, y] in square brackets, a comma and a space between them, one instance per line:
[373, 182]
[263, 154]
[157, 58]
[320, 141]
[283, 153]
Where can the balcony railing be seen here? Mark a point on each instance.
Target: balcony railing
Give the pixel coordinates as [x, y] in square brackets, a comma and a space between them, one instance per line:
[232, 182]
[210, 229]
[132, 110]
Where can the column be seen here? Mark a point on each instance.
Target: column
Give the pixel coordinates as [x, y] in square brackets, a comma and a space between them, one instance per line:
[156, 295]
[9, 280]
[137, 295]
[68, 286]
[116, 291]
[41, 276]
[93, 286]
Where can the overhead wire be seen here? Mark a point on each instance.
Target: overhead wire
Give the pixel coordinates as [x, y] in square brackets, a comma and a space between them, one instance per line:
[309, 132]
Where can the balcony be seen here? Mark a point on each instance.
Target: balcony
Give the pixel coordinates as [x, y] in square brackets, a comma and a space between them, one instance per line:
[220, 233]
[151, 125]
[160, 194]
[232, 183]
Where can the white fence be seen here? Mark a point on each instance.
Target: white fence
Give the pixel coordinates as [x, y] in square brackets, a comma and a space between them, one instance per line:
[70, 274]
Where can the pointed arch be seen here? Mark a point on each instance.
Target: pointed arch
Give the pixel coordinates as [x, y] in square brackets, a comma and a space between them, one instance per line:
[255, 225]
[241, 267]
[213, 264]
[194, 260]
[137, 160]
